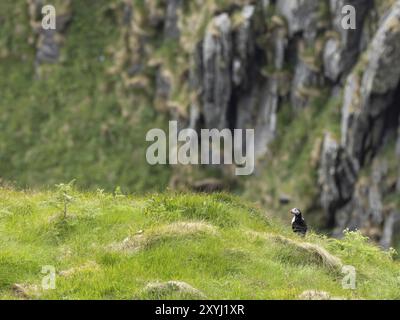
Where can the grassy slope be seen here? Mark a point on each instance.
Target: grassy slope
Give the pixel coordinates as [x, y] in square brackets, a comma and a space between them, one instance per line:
[75, 121]
[217, 244]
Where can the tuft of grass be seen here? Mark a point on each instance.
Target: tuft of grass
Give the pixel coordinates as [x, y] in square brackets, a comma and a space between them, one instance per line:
[312, 252]
[172, 289]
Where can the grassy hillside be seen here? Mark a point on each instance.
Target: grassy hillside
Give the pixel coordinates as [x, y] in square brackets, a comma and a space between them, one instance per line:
[112, 246]
[75, 120]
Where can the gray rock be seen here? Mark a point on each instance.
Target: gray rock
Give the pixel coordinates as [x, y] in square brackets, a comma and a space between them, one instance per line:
[244, 47]
[390, 228]
[265, 3]
[398, 142]
[329, 190]
[266, 124]
[305, 83]
[354, 215]
[196, 69]
[368, 100]
[375, 194]
[365, 210]
[382, 72]
[332, 57]
[48, 50]
[171, 28]
[340, 55]
[337, 176]
[398, 183]
[398, 155]
[342, 219]
[301, 16]
[350, 97]
[248, 106]
[226, 76]
[257, 110]
[280, 44]
[163, 85]
[217, 60]
[228, 80]
[347, 172]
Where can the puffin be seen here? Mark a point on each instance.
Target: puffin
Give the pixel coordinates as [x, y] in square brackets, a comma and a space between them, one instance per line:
[299, 225]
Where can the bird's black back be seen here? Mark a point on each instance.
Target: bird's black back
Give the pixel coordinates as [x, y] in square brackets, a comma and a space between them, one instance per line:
[299, 226]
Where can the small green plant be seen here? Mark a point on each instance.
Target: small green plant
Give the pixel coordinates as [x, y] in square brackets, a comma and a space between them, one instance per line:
[118, 192]
[63, 197]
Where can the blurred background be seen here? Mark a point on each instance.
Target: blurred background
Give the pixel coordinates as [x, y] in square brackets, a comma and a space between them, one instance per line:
[77, 102]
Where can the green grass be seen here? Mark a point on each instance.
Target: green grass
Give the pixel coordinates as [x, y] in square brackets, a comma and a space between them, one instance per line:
[113, 246]
[76, 120]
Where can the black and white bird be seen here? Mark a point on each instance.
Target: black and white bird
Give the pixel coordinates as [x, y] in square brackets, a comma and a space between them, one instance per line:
[299, 225]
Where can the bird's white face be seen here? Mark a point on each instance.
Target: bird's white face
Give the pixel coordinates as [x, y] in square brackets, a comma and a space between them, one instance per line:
[295, 211]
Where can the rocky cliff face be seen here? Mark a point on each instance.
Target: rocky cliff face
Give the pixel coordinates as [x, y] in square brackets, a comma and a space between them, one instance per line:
[370, 116]
[255, 57]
